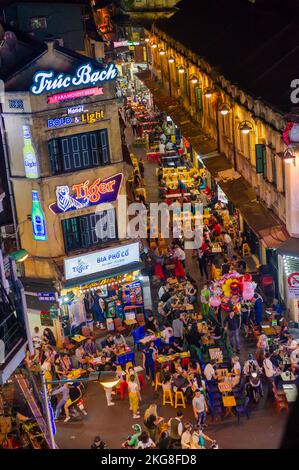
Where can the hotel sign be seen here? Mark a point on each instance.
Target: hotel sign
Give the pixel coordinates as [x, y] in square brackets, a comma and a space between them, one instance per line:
[85, 194]
[46, 81]
[85, 265]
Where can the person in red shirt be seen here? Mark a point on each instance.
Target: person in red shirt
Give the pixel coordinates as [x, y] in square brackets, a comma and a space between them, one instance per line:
[217, 230]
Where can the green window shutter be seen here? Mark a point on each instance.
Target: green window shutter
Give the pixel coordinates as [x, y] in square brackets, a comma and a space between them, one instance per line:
[177, 77]
[185, 84]
[198, 98]
[260, 154]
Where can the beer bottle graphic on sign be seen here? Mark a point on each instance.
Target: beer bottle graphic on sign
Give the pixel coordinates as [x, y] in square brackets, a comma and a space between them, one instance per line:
[29, 155]
[38, 219]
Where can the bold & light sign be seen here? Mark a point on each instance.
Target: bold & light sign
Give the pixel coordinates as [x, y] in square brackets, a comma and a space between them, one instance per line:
[86, 194]
[87, 118]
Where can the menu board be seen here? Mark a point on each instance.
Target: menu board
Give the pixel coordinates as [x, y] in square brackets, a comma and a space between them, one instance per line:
[132, 294]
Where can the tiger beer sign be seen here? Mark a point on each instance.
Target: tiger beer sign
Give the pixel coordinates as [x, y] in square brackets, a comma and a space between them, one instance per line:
[86, 194]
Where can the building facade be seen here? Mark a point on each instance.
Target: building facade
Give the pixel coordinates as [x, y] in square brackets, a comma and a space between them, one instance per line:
[65, 159]
[249, 155]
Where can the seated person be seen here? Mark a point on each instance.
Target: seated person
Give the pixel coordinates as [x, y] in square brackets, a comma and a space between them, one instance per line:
[151, 324]
[109, 343]
[103, 364]
[209, 371]
[194, 367]
[81, 357]
[175, 348]
[90, 347]
[167, 333]
[235, 371]
[165, 370]
[190, 293]
[167, 382]
[291, 344]
[120, 341]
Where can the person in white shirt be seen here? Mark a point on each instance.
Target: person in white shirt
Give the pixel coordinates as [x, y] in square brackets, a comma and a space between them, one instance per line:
[186, 437]
[209, 371]
[163, 138]
[294, 358]
[169, 146]
[180, 254]
[291, 344]
[166, 334]
[145, 442]
[162, 147]
[269, 370]
[229, 244]
[162, 290]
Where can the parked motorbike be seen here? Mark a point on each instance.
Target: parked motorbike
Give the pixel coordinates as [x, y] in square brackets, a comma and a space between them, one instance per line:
[254, 387]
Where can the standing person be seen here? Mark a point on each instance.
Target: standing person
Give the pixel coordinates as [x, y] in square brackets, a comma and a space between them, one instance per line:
[229, 244]
[202, 262]
[148, 362]
[141, 168]
[232, 325]
[108, 393]
[134, 397]
[178, 329]
[269, 371]
[180, 255]
[164, 440]
[176, 429]
[199, 407]
[245, 311]
[225, 267]
[258, 308]
[186, 436]
[134, 126]
[205, 298]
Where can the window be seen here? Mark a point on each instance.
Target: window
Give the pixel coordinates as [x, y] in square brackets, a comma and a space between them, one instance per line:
[273, 165]
[198, 99]
[283, 177]
[38, 22]
[79, 151]
[185, 84]
[89, 230]
[16, 104]
[261, 159]
[177, 78]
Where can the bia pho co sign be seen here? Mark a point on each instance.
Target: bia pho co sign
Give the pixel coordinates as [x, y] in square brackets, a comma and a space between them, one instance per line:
[46, 81]
[84, 265]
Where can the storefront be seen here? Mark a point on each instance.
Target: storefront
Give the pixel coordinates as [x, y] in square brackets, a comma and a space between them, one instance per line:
[111, 278]
[288, 269]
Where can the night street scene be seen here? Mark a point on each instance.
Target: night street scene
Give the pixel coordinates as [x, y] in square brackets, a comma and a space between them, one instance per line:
[149, 229]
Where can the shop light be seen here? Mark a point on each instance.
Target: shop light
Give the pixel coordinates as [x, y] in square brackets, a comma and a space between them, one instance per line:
[154, 45]
[245, 127]
[208, 92]
[171, 59]
[194, 79]
[181, 69]
[224, 109]
[19, 256]
[108, 379]
[161, 52]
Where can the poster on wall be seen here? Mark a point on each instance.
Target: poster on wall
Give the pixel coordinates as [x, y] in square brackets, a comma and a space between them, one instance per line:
[45, 319]
[132, 294]
[293, 285]
[29, 155]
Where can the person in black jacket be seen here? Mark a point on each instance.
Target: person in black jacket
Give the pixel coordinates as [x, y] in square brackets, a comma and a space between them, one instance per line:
[98, 444]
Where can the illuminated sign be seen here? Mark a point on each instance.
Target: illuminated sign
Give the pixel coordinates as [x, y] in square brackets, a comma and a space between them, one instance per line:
[38, 220]
[76, 109]
[29, 155]
[120, 44]
[86, 194]
[46, 81]
[72, 95]
[85, 265]
[88, 118]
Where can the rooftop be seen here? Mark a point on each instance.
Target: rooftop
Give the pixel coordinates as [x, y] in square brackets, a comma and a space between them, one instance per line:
[253, 45]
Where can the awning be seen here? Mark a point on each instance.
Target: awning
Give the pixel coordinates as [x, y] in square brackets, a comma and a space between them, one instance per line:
[290, 247]
[273, 237]
[103, 275]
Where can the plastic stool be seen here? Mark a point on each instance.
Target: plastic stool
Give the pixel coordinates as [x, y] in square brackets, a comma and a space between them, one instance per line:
[167, 397]
[158, 382]
[179, 400]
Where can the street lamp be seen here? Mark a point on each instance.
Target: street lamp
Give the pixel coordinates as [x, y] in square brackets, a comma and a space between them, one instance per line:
[208, 92]
[245, 127]
[171, 59]
[154, 45]
[147, 40]
[108, 379]
[224, 109]
[289, 157]
[181, 69]
[194, 79]
[161, 52]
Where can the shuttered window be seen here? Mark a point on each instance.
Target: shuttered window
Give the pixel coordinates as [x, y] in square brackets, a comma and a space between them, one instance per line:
[89, 230]
[261, 159]
[79, 151]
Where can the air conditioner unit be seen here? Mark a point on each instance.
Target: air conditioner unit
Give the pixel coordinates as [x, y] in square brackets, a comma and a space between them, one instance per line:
[7, 231]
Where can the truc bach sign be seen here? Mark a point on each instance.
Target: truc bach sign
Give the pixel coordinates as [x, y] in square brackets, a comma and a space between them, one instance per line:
[92, 263]
[46, 81]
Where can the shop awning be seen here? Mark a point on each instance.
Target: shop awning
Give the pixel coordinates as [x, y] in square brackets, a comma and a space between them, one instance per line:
[103, 275]
[273, 237]
[290, 247]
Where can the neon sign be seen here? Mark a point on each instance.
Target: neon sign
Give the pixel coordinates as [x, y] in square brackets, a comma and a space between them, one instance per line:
[88, 118]
[86, 194]
[46, 81]
[72, 95]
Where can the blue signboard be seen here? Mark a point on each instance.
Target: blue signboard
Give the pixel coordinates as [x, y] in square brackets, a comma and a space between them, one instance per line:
[46, 296]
